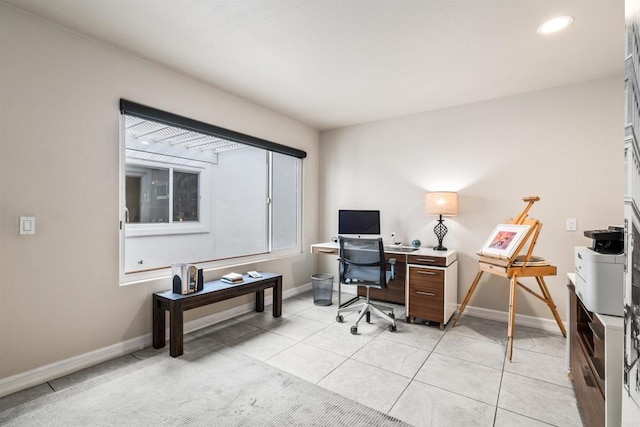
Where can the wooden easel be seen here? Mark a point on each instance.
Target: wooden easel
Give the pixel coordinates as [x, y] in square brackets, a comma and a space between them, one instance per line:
[505, 267]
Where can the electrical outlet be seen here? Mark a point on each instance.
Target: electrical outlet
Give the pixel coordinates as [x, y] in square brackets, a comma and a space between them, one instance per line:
[572, 224]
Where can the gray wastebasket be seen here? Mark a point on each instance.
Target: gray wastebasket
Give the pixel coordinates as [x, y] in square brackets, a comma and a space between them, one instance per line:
[322, 289]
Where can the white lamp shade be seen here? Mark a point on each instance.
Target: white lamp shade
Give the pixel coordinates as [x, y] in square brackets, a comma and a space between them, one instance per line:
[443, 203]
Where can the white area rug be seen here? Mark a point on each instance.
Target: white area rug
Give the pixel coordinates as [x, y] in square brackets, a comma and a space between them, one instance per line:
[208, 386]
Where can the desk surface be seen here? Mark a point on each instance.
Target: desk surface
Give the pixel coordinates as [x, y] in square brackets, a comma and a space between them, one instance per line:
[334, 247]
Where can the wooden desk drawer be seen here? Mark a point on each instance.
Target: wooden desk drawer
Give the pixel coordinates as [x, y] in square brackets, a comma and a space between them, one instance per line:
[427, 260]
[590, 397]
[426, 302]
[431, 290]
[426, 277]
[326, 251]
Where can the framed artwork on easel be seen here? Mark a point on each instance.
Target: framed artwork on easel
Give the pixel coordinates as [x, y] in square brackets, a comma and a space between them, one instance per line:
[504, 240]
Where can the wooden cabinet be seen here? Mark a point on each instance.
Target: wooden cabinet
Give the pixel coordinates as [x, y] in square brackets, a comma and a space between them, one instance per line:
[595, 360]
[432, 288]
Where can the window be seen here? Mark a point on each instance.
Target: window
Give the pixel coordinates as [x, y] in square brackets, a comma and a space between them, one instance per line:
[192, 192]
[160, 195]
[185, 196]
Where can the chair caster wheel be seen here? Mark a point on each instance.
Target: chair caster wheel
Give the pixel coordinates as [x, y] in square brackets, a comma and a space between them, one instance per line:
[354, 330]
[393, 316]
[392, 328]
[339, 318]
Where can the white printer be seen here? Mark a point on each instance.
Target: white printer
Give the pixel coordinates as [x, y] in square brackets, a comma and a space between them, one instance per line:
[599, 271]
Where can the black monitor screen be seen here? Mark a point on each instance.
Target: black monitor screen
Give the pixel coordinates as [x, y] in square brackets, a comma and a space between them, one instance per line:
[358, 222]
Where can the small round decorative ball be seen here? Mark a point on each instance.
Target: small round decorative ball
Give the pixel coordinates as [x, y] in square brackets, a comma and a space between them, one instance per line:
[416, 243]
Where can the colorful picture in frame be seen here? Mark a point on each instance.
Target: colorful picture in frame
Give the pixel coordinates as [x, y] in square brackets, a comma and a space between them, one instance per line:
[504, 240]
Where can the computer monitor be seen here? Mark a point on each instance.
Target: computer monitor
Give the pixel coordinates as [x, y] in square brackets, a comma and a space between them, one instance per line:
[359, 222]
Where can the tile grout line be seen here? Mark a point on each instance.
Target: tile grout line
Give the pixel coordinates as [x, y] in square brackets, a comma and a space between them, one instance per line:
[413, 378]
[504, 361]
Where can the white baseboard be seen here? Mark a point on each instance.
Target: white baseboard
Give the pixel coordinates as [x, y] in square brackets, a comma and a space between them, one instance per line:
[212, 319]
[73, 364]
[547, 325]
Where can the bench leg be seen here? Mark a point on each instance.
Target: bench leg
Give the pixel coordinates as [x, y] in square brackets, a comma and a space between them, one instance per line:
[277, 298]
[158, 325]
[260, 301]
[176, 329]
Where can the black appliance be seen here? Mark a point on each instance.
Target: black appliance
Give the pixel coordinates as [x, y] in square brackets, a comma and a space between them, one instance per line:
[609, 241]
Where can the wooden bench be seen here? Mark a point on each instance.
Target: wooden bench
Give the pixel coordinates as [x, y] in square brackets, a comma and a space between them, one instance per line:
[215, 291]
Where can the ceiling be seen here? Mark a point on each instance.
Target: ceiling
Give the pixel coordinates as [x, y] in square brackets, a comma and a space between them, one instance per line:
[336, 63]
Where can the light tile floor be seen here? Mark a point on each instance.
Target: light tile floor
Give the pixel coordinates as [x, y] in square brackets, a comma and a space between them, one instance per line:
[424, 376]
[420, 374]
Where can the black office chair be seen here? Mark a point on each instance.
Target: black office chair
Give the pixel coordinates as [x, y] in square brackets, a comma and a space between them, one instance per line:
[362, 263]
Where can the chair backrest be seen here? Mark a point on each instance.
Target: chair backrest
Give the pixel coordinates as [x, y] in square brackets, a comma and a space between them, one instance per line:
[362, 262]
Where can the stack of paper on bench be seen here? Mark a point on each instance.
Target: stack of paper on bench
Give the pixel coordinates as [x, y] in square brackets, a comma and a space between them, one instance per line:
[232, 278]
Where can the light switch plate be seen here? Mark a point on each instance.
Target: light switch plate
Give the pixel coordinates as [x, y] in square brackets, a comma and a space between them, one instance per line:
[27, 225]
[572, 224]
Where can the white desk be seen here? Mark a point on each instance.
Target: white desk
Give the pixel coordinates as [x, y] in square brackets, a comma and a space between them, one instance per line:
[426, 281]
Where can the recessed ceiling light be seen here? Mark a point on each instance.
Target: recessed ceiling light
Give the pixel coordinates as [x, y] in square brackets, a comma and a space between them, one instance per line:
[555, 24]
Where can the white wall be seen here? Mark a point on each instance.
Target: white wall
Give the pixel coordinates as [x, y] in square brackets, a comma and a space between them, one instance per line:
[564, 145]
[59, 290]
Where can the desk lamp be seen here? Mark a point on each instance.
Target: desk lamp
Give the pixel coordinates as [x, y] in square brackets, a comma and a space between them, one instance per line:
[441, 203]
